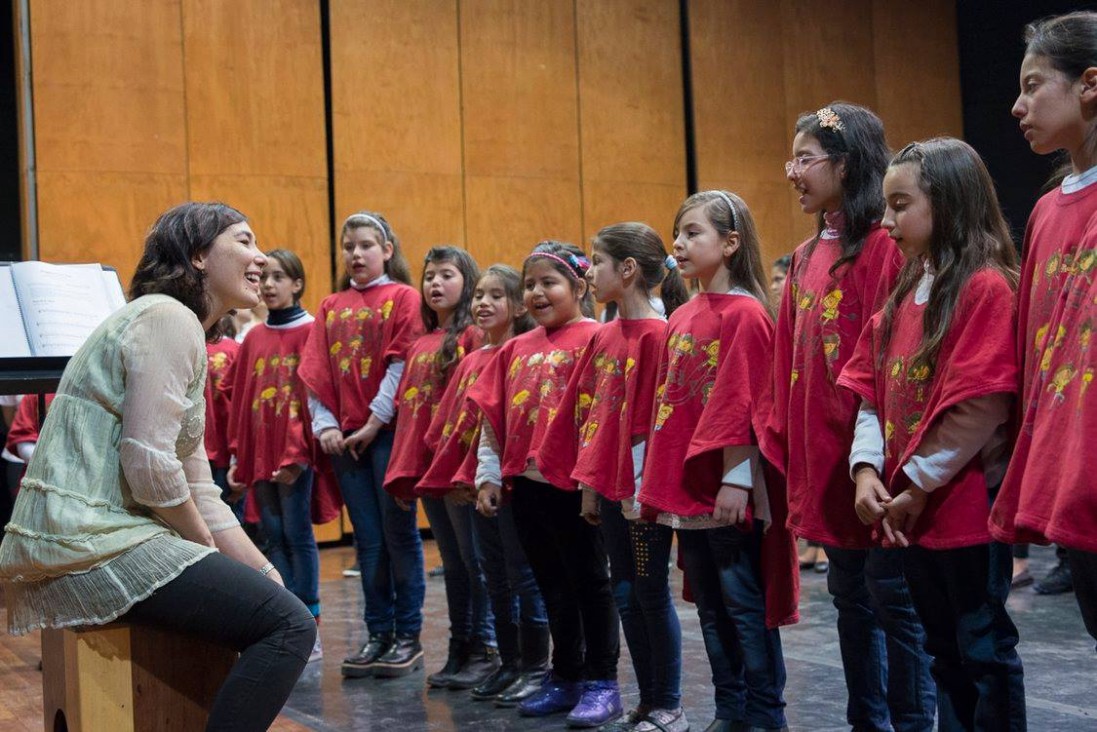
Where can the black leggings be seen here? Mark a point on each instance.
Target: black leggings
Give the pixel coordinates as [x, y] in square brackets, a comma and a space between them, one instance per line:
[225, 602]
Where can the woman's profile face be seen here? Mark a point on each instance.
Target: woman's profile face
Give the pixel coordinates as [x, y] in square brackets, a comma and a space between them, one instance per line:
[234, 269]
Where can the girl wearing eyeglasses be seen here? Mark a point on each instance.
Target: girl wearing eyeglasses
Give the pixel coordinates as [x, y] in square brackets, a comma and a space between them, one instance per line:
[837, 280]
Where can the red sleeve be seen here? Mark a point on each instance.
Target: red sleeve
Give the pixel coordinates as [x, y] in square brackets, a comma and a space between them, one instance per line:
[489, 396]
[404, 326]
[642, 399]
[24, 426]
[741, 398]
[859, 373]
[315, 367]
[560, 446]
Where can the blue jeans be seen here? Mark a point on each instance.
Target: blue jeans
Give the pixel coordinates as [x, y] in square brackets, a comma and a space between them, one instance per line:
[516, 602]
[650, 622]
[470, 617]
[961, 597]
[285, 511]
[386, 538]
[748, 667]
[882, 642]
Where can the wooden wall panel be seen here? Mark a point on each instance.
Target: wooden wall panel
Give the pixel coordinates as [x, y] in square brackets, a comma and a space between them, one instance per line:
[521, 126]
[397, 118]
[917, 74]
[109, 125]
[632, 126]
[741, 112]
[255, 121]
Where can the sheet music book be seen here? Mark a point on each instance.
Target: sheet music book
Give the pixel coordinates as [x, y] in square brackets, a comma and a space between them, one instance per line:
[51, 309]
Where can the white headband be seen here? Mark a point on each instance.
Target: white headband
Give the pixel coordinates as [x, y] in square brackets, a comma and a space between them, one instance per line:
[727, 200]
[372, 219]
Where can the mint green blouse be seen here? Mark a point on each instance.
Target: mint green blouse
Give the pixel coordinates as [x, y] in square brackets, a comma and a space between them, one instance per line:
[123, 435]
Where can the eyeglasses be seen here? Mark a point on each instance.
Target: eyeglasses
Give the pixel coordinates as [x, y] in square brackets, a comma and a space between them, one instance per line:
[802, 163]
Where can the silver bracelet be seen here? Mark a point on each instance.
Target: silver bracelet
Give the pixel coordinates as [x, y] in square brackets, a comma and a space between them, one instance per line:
[266, 568]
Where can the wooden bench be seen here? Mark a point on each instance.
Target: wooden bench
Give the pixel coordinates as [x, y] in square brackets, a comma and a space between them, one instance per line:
[129, 678]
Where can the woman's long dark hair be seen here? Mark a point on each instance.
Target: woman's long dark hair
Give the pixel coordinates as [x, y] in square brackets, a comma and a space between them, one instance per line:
[969, 234]
[179, 235]
[462, 313]
[854, 137]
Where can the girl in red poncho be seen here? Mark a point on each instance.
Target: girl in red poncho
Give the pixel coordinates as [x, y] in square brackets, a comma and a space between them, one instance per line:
[449, 276]
[704, 474]
[597, 443]
[521, 627]
[352, 366]
[269, 431]
[936, 373]
[518, 395]
[219, 356]
[837, 280]
[1048, 492]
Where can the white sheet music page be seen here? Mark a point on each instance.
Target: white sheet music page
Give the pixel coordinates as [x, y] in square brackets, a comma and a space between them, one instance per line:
[13, 339]
[62, 304]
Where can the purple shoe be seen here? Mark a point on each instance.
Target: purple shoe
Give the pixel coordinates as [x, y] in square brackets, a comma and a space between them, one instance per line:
[600, 703]
[554, 696]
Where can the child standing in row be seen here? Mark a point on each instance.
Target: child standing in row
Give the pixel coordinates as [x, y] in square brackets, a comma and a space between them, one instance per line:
[1047, 494]
[518, 395]
[270, 434]
[521, 624]
[597, 443]
[837, 280]
[704, 471]
[936, 374]
[449, 276]
[352, 366]
[219, 357]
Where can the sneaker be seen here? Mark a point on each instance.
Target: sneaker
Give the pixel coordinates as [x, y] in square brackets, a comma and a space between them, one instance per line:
[479, 665]
[554, 696]
[353, 571]
[664, 720]
[628, 722]
[404, 657]
[1057, 582]
[362, 663]
[317, 650]
[599, 703]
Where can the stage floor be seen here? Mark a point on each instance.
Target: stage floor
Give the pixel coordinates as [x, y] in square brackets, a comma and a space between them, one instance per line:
[1059, 658]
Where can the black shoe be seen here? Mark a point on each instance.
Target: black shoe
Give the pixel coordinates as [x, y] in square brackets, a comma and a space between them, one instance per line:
[481, 663]
[363, 663]
[404, 657]
[496, 684]
[1057, 582]
[455, 661]
[526, 685]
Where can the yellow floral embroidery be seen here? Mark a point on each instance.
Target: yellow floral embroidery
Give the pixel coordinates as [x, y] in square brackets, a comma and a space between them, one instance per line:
[260, 366]
[1063, 376]
[585, 400]
[364, 365]
[410, 394]
[345, 313]
[1087, 377]
[896, 368]
[386, 309]
[330, 317]
[274, 361]
[793, 378]
[335, 348]
[267, 394]
[630, 364]
[713, 352]
[447, 429]
[520, 398]
[664, 413]
[889, 430]
[363, 314]
[918, 373]
[344, 365]
[830, 305]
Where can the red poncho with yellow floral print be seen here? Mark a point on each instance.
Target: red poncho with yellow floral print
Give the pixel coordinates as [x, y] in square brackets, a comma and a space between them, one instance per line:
[519, 392]
[819, 321]
[355, 336]
[977, 358]
[607, 403]
[1048, 493]
[455, 430]
[417, 401]
[219, 357]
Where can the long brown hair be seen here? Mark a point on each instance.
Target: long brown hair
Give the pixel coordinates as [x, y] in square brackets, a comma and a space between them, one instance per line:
[643, 243]
[396, 267]
[462, 313]
[969, 234]
[727, 213]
